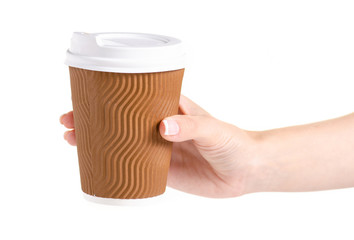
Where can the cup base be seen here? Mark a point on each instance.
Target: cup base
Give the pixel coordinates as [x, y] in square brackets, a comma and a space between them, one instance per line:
[124, 202]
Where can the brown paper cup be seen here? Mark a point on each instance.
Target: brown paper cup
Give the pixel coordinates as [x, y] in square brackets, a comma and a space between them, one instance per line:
[117, 116]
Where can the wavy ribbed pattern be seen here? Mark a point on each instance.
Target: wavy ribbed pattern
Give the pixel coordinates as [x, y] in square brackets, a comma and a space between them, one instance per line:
[80, 98]
[124, 152]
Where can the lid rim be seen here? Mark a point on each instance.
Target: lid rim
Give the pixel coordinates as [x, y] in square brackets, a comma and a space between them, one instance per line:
[125, 52]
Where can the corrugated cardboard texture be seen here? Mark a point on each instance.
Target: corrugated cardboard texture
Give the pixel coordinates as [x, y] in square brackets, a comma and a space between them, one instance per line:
[121, 153]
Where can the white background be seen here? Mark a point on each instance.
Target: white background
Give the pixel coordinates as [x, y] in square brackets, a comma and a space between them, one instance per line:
[256, 64]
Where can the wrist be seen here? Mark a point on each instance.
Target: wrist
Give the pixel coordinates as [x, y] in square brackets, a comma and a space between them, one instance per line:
[261, 171]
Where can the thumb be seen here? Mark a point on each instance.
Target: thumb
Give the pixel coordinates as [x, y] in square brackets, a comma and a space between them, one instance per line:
[196, 124]
[203, 129]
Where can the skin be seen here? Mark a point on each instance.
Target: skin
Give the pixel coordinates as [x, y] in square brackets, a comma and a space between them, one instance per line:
[216, 159]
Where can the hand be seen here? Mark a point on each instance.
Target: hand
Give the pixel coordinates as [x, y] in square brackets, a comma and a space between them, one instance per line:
[209, 158]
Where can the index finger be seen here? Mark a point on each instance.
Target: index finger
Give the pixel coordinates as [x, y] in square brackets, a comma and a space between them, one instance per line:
[67, 120]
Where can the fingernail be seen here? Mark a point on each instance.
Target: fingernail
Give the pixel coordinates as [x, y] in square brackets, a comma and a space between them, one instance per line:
[171, 127]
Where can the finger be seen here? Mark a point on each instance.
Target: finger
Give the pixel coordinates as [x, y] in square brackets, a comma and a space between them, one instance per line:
[67, 120]
[70, 137]
[188, 107]
[179, 128]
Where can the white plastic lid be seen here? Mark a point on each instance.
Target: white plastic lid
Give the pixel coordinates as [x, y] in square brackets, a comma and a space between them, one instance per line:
[125, 52]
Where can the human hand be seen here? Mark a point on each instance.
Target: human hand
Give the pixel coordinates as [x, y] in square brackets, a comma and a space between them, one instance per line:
[209, 157]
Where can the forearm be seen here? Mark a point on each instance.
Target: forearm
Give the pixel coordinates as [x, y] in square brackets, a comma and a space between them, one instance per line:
[309, 157]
